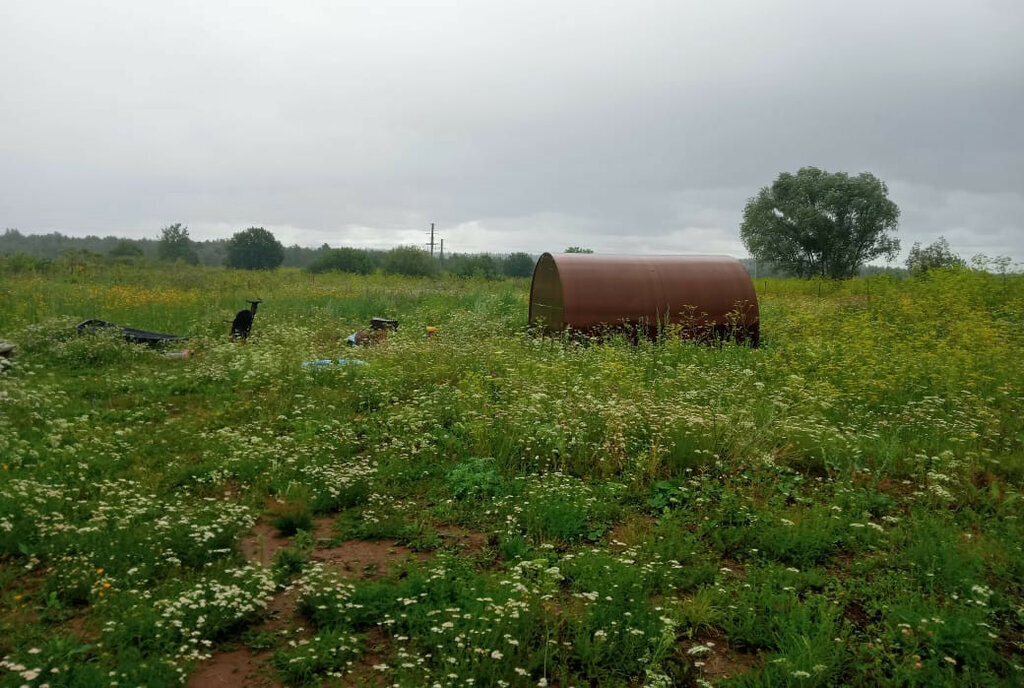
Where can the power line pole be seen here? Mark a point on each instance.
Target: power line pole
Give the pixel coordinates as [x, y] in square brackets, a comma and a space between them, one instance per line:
[431, 239]
[442, 250]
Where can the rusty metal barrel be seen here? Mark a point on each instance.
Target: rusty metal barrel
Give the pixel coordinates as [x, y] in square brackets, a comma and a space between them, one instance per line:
[696, 296]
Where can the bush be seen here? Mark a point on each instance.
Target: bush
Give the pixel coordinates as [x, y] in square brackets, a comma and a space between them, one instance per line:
[480, 265]
[411, 261]
[475, 478]
[22, 262]
[126, 249]
[935, 255]
[344, 259]
[518, 265]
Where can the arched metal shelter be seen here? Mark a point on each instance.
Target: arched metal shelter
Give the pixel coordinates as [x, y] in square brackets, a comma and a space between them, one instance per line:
[704, 295]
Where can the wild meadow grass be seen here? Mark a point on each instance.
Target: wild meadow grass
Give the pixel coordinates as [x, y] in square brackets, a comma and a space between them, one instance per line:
[839, 507]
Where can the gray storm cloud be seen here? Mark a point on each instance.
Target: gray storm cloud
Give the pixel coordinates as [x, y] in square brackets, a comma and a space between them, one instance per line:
[514, 126]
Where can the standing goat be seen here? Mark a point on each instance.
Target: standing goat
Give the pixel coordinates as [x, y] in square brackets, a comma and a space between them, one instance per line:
[242, 323]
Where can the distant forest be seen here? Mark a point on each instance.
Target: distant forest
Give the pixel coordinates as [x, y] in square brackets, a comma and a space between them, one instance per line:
[213, 252]
[54, 245]
[33, 248]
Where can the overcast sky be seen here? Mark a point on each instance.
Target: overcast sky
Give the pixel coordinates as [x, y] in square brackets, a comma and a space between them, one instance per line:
[638, 126]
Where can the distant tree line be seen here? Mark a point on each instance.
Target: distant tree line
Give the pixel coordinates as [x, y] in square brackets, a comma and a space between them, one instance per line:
[208, 252]
[256, 248]
[410, 260]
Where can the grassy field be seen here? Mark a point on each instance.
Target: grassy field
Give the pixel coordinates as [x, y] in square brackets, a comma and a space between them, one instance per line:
[840, 507]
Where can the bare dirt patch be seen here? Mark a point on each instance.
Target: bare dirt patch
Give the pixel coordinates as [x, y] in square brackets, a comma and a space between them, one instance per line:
[901, 490]
[469, 541]
[857, 615]
[718, 660]
[232, 488]
[280, 612]
[76, 627]
[243, 667]
[733, 568]
[377, 651]
[845, 564]
[323, 528]
[356, 558]
[235, 668]
[367, 559]
[264, 541]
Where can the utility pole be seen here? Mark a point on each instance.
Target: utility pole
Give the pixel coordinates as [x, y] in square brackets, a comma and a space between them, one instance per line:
[442, 251]
[431, 239]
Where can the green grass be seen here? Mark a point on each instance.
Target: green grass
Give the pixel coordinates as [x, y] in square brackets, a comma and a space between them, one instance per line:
[839, 507]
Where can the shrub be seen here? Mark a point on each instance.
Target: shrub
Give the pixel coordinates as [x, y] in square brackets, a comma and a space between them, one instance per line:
[22, 262]
[933, 256]
[411, 261]
[126, 249]
[481, 265]
[518, 265]
[475, 478]
[344, 259]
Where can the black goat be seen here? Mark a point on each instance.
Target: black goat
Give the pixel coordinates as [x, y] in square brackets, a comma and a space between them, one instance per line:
[242, 323]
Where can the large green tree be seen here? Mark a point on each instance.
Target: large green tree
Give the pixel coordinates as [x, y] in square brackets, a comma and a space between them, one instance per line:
[175, 244]
[254, 249]
[817, 223]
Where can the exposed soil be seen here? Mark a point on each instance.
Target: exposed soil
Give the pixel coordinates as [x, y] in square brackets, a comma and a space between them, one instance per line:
[76, 627]
[363, 674]
[355, 558]
[843, 562]
[235, 668]
[735, 568]
[242, 667]
[323, 528]
[280, 612]
[898, 490]
[232, 488]
[468, 541]
[366, 559]
[856, 614]
[264, 542]
[721, 662]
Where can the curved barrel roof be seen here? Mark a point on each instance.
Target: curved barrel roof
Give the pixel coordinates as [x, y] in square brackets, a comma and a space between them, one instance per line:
[588, 292]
